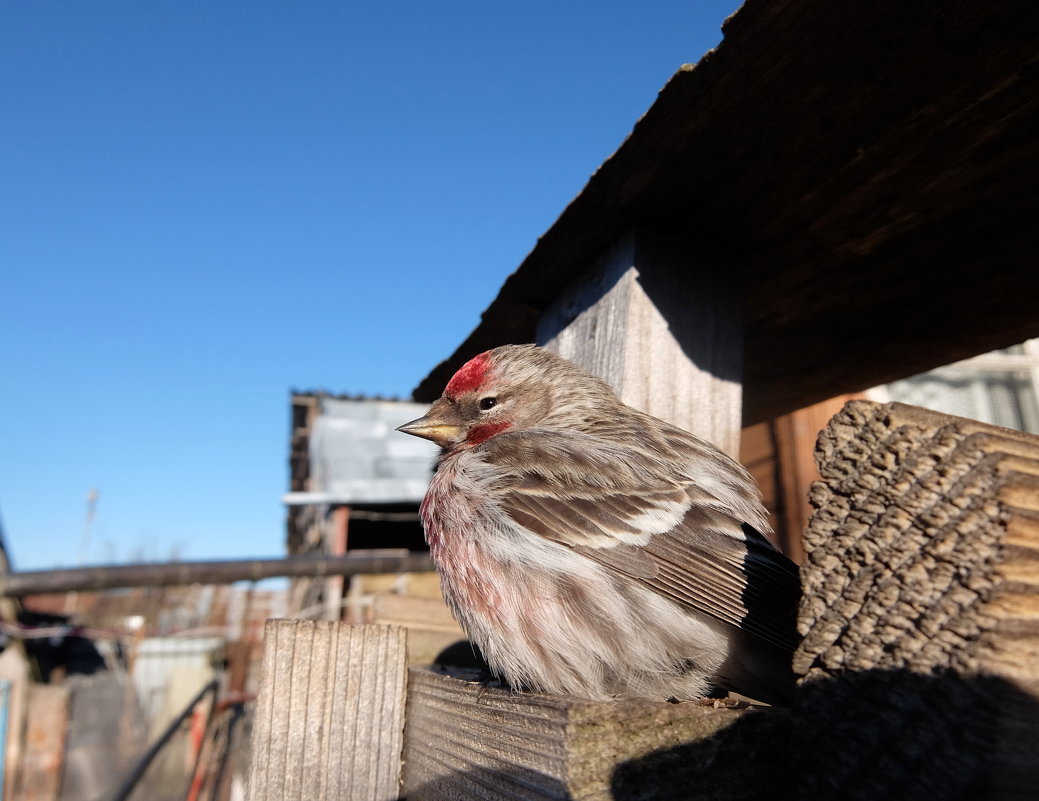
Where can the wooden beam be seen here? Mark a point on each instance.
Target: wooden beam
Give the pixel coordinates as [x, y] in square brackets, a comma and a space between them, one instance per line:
[329, 713]
[164, 574]
[920, 615]
[659, 318]
[467, 740]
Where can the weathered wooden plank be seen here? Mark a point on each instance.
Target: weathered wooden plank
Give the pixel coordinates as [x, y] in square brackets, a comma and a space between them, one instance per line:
[669, 339]
[467, 740]
[920, 616]
[329, 713]
[431, 626]
[40, 776]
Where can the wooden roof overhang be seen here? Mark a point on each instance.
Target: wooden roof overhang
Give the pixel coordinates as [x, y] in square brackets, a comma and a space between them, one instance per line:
[873, 164]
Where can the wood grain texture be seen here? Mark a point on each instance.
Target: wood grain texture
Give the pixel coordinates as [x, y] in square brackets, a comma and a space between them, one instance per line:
[921, 600]
[329, 713]
[466, 740]
[670, 346]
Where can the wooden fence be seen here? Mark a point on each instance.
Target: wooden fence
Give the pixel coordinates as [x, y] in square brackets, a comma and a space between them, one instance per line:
[919, 665]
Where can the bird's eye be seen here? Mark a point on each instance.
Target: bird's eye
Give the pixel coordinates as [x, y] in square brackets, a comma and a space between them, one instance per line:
[487, 403]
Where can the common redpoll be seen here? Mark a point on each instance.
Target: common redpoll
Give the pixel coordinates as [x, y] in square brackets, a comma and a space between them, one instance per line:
[590, 549]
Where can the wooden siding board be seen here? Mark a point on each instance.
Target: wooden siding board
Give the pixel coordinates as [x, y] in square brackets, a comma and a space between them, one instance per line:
[670, 347]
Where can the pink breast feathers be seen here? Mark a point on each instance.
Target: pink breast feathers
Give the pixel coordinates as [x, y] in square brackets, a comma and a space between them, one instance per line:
[469, 376]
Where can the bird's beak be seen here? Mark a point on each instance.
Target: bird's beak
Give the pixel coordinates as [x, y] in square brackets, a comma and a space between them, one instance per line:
[443, 435]
[437, 426]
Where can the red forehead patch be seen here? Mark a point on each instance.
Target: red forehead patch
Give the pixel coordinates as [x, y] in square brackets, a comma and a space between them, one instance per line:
[469, 376]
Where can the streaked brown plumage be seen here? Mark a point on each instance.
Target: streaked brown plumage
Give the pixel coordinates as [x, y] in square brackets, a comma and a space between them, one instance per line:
[591, 549]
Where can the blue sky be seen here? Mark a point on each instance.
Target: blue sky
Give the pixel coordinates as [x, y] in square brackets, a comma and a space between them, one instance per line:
[203, 205]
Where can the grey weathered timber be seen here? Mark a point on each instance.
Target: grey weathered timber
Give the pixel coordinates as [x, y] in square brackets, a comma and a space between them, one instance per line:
[467, 740]
[330, 713]
[920, 617]
[668, 338]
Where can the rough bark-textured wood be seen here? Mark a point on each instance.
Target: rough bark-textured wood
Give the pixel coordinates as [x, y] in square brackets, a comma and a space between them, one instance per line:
[920, 615]
[40, 776]
[330, 713]
[669, 346]
[467, 740]
[868, 155]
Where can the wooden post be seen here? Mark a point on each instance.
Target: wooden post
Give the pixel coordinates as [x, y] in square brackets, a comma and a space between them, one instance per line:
[40, 775]
[920, 618]
[660, 319]
[335, 545]
[329, 713]
[14, 668]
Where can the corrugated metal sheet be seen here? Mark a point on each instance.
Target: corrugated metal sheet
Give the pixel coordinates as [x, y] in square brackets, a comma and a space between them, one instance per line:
[357, 457]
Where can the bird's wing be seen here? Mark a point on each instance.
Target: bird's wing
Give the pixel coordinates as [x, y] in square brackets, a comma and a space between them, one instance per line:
[664, 532]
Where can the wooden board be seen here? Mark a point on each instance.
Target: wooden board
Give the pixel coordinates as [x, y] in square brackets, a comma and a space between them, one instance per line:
[329, 713]
[430, 626]
[921, 608]
[669, 345]
[467, 740]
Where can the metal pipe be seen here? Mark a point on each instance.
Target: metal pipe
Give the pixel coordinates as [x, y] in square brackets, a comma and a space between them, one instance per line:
[104, 577]
[134, 776]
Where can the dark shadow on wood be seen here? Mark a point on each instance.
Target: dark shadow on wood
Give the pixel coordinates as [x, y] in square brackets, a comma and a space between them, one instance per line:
[463, 654]
[874, 736]
[691, 279]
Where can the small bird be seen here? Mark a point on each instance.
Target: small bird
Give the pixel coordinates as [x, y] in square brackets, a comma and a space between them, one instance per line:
[590, 549]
